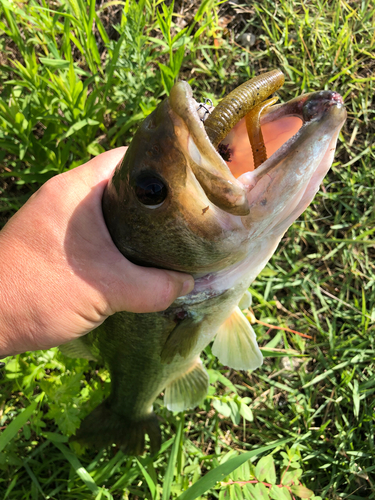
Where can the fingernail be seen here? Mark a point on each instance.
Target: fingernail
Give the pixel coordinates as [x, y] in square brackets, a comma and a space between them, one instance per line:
[187, 287]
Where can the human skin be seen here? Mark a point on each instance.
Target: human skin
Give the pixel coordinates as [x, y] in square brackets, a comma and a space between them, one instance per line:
[61, 275]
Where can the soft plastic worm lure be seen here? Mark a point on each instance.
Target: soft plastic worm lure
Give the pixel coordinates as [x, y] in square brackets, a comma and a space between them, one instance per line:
[238, 103]
[255, 132]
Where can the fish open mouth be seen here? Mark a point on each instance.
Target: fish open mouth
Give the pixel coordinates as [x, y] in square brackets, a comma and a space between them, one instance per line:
[297, 148]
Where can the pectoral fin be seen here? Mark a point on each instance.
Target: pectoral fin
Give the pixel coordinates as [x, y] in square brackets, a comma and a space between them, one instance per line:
[77, 348]
[235, 344]
[188, 390]
[181, 340]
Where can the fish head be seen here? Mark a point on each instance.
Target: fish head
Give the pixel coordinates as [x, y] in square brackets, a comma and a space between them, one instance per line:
[174, 202]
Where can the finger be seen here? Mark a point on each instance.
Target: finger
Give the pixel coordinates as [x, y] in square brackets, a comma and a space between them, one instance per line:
[145, 289]
[102, 166]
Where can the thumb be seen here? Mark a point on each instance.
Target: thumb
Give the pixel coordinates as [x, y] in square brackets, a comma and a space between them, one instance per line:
[145, 289]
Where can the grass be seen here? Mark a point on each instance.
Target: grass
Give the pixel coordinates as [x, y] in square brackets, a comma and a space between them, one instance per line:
[73, 86]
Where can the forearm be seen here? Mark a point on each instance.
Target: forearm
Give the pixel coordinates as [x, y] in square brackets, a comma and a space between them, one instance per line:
[18, 321]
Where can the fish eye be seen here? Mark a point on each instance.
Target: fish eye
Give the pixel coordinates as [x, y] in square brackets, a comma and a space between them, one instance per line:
[150, 191]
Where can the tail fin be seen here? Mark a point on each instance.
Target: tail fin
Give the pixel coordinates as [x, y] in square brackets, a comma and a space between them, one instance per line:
[102, 427]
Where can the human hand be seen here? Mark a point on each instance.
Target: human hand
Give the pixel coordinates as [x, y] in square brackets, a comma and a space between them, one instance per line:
[61, 275]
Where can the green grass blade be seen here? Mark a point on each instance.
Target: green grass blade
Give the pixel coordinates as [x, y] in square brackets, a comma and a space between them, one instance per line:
[329, 372]
[78, 467]
[8, 434]
[112, 64]
[172, 462]
[11, 486]
[219, 473]
[34, 480]
[148, 478]
[91, 15]
[102, 31]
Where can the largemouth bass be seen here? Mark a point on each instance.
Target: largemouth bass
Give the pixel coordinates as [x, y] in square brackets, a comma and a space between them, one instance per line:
[175, 202]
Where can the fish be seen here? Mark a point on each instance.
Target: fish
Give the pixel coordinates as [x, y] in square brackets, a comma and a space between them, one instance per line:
[190, 195]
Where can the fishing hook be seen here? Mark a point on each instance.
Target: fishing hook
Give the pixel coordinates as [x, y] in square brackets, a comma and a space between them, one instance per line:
[203, 105]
